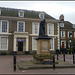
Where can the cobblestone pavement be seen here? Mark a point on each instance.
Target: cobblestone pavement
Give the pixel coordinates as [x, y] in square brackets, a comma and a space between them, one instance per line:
[6, 66]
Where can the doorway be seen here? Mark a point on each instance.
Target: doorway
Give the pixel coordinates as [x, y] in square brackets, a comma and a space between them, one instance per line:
[63, 45]
[20, 46]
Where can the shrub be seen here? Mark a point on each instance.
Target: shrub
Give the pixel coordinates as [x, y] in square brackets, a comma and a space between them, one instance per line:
[41, 56]
[68, 50]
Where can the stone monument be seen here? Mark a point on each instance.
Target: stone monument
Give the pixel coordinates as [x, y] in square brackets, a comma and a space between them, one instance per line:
[43, 41]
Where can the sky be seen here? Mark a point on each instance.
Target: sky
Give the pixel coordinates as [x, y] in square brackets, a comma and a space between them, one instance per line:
[53, 8]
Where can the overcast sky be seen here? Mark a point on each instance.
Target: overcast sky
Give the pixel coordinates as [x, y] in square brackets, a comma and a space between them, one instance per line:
[53, 8]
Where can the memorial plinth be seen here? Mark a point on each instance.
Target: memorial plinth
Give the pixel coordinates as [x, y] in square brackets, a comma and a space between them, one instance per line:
[43, 45]
[43, 41]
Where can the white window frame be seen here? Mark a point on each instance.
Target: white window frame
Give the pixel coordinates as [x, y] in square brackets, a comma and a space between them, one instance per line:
[74, 34]
[63, 33]
[64, 43]
[33, 31]
[32, 44]
[0, 11]
[61, 25]
[21, 12]
[53, 45]
[48, 28]
[73, 25]
[7, 26]
[7, 43]
[68, 33]
[69, 43]
[18, 26]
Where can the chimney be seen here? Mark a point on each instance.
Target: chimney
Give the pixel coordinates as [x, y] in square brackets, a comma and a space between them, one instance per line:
[61, 18]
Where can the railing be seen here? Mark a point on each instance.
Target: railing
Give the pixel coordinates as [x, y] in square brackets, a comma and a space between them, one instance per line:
[64, 56]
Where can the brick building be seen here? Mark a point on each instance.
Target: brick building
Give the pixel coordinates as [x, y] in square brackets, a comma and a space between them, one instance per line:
[66, 29]
[19, 28]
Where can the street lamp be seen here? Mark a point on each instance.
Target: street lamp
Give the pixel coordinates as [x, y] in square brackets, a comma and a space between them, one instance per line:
[70, 40]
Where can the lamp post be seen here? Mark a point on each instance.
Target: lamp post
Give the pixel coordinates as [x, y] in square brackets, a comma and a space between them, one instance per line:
[70, 40]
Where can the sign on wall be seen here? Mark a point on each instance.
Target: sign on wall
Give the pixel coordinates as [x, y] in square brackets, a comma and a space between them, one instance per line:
[21, 40]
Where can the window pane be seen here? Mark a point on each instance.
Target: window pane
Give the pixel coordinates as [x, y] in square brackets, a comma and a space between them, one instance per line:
[4, 26]
[21, 13]
[62, 24]
[51, 43]
[62, 33]
[50, 28]
[69, 34]
[4, 43]
[41, 15]
[34, 44]
[35, 28]
[74, 34]
[20, 27]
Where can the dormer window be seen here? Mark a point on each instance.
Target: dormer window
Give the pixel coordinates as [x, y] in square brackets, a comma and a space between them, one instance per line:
[21, 13]
[0, 11]
[61, 24]
[73, 25]
[41, 15]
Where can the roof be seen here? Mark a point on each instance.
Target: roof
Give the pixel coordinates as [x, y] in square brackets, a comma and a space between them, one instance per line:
[12, 12]
[67, 26]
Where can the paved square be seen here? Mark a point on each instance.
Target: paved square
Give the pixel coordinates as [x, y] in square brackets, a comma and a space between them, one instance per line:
[6, 66]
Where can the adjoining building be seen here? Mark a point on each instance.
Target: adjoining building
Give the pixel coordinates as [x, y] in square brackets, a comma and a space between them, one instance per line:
[19, 28]
[67, 33]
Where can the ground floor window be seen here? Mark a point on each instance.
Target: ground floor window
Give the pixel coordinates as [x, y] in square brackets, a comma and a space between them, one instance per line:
[69, 43]
[34, 43]
[52, 44]
[3, 43]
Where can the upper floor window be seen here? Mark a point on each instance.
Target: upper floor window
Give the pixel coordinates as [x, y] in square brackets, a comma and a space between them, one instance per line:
[50, 29]
[61, 24]
[69, 33]
[4, 26]
[73, 25]
[21, 13]
[21, 26]
[62, 33]
[0, 11]
[35, 28]
[41, 15]
[74, 34]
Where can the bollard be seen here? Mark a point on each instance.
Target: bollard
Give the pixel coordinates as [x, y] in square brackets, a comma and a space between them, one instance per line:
[73, 59]
[53, 61]
[14, 61]
[57, 55]
[64, 56]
